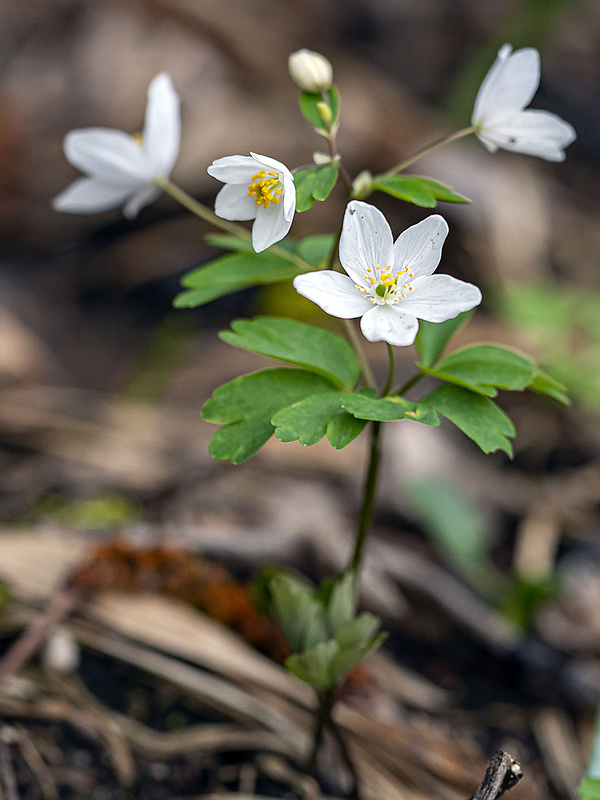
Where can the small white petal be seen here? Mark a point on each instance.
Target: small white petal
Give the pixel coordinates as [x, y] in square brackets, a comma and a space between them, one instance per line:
[388, 324]
[289, 197]
[144, 197]
[233, 203]
[335, 293]
[110, 156]
[233, 169]
[87, 196]
[366, 240]
[162, 127]
[270, 226]
[508, 87]
[536, 133]
[420, 247]
[440, 297]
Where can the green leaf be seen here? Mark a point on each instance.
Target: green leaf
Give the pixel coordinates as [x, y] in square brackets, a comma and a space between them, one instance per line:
[315, 250]
[313, 184]
[477, 416]
[482, 368]
[417, 190]
[545, 384]
[313, 666]
[355, 639]
[231, 273]
[226, 241]
[589, 789]
[317, 350]
[432, 337]
[387, 409]
[341, 606]
[245, 407]
[310, 419]
[309, 106]
[301, 617]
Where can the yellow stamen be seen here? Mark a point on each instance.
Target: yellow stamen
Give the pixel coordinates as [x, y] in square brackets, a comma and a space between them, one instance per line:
[138, 138]
[265, 190]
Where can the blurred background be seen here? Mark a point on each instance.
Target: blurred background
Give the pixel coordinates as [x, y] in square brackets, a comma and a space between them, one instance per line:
[102, 381]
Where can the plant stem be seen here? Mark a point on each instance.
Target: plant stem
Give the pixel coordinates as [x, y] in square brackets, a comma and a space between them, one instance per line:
[366, 511]
[201, 211]
[388, 384]
[325, 721]
[409, 383]
[423, 151]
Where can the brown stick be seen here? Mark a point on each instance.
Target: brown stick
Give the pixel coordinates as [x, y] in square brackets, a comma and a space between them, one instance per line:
[502, 773]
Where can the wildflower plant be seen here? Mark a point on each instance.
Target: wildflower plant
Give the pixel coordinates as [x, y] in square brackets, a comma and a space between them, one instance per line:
[325, 386]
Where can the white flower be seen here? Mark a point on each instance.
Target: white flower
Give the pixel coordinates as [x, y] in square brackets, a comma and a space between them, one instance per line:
[498, 114]
[390, 284]
[311, 71]
[258, 188]
[120, 167]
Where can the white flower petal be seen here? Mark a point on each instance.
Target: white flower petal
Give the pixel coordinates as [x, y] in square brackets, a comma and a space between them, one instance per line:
[110, 156]
[440, 297]
[140, 199]
[289, 196]
[366, 240]
[508, 87]
[388, 324]
[162, 127]
[233, 169]
[87, 196]
[270, 226]
[233, 203]
[335, 293]
[420, 247]
[536, 133]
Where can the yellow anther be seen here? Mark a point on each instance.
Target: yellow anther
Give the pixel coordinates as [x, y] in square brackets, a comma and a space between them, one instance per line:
[138, 138]
[263, 190]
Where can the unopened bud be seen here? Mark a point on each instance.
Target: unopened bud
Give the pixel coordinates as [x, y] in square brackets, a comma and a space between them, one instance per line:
[311, 71]
[362, 185]
[321, 158]
[325, 112]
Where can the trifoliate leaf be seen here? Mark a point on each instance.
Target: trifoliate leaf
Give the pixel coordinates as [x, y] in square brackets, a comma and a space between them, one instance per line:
[417, 190]
[313, 184]
[387, 409]
[477, 416]
[432, 337]
[310, 419]
[315, 250]
[309, 106]
[231, 273]
[245, 407]
[482, 368]
[317, 350]
[302, 618]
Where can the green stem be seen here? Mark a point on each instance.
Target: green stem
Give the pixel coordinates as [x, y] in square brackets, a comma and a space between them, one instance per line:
[201, 211]
[366, 511]
[356, 342]
[388, 385]
[423, 151]
[326, 703]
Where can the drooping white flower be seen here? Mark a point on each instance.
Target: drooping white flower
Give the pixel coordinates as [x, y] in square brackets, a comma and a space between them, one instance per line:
[499, 116]
[311, 71]
[120, 168]
[390, 285]
[258, 188]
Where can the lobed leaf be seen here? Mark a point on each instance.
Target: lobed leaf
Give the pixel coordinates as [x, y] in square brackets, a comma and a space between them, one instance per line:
[386, 409]
[315, 183]
[545, 384]
[476, 415]
[316, 349]
[246, 405]
[485, 369]
[309, 420]
[230, 273]
[415, 189]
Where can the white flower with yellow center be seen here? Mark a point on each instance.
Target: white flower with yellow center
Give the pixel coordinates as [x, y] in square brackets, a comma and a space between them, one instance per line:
[121, 167]
[258, 188]
[389, 284]
[498, 115]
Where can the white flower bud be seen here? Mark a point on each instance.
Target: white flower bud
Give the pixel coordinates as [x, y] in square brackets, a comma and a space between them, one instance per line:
[311, 71]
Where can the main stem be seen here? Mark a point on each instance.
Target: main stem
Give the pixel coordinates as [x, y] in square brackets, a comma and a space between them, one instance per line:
[366, 511]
